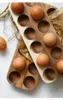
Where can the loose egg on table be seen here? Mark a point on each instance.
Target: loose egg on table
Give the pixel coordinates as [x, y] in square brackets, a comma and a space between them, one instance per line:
[19, 63]
[3, 44]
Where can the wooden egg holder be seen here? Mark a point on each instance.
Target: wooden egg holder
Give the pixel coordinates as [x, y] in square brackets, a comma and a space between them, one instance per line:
[28, 78]
[34, 42]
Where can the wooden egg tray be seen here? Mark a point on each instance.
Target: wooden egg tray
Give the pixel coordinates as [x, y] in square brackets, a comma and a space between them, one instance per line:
[34, 41]
[29, 77]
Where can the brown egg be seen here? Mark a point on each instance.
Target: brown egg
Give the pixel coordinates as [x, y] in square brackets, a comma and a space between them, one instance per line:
[42, 60]
[49, 39]
[19, 63]
[2, 44]
[17, 7]
[36, 12]
[59, 66]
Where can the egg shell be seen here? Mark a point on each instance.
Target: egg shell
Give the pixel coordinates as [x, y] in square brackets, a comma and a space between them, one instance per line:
[17, 7]
[49, 39]
[36, 12]
[42, 60]
[19, 63]
[2, 44]
[59, 66]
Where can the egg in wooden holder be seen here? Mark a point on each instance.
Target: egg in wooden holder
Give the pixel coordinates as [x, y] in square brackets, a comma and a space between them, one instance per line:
[22, 72]
[41, 40]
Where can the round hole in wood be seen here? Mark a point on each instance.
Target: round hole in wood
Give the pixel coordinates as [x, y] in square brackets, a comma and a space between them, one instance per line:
[49, 74]
[32, 69]
[50, 11]
[36, 47]
[30, 4]
[56, 52]
[14, 76]
[23, 20]
[30, 33]
[29, 82]
[43, 26]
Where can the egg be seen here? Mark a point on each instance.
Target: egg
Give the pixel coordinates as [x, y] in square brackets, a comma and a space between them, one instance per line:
[36, 12]
[17, 7]
[49, 39]
[2, 44]
[42, 60]
[59, 66]
[19, 63]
